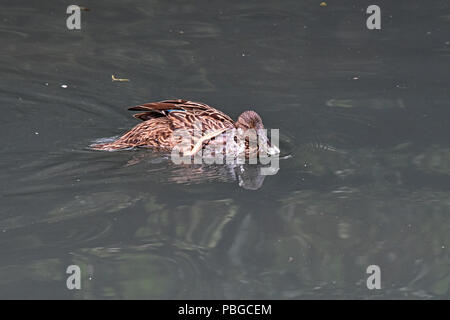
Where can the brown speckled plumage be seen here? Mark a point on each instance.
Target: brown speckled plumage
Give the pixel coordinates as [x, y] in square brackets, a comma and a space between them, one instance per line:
[161, 119]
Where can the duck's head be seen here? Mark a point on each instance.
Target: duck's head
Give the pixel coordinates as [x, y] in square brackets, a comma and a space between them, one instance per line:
[251, 128]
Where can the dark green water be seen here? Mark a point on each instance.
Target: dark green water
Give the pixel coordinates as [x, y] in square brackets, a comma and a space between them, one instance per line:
[364, 123]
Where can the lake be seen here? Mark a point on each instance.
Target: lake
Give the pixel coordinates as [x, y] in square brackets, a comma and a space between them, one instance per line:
[364, 170]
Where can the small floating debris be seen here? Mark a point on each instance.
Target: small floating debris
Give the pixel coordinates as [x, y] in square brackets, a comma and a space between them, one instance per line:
[323, 4]
[64, 86]
[355, 78]
[119, 79]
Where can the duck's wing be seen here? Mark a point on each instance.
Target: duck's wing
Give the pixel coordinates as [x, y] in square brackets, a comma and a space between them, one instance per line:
[186, 109]
[157, 109]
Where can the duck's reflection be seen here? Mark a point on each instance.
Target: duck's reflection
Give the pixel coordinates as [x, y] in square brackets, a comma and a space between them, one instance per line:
[248, 176]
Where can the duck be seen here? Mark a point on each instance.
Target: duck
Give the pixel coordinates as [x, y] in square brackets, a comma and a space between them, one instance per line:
[162, 120]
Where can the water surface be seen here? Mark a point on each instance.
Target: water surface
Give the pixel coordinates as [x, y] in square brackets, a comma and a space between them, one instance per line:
[364, 123]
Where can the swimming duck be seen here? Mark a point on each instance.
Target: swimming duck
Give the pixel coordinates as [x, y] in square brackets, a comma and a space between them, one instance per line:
[162, 119]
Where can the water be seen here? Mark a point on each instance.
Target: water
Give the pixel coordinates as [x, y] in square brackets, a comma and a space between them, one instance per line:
[364, 123]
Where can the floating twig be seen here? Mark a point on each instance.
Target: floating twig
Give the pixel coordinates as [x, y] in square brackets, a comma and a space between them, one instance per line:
[119, 79]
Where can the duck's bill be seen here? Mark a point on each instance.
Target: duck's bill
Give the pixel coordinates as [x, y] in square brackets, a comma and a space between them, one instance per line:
[273, 150]
[265, 145]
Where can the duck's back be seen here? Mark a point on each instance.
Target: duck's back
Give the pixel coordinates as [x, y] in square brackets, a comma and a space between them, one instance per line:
[165, 121]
